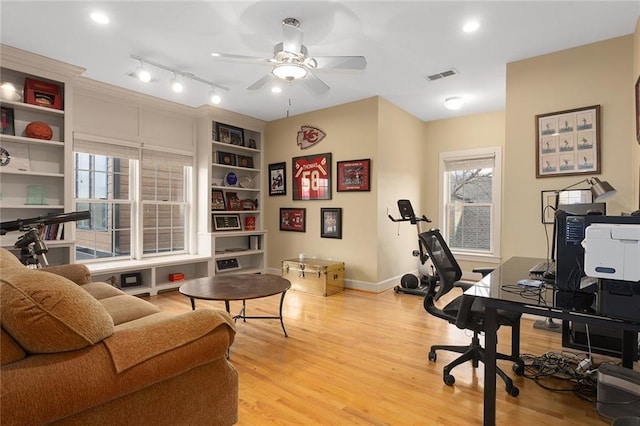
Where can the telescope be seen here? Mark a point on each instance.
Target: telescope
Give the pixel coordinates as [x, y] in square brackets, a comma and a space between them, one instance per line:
[30, 244]
[25, 224]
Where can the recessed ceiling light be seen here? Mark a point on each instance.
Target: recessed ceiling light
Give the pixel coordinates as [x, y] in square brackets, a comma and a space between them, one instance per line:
[276, 89]
[454, 103]
[99, 18]
[471, 26]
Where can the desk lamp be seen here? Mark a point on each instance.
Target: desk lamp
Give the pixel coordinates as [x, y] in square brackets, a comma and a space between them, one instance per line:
[600, 191]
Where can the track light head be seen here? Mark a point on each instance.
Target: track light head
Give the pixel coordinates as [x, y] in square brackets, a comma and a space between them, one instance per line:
[214, 97]
[176, 84]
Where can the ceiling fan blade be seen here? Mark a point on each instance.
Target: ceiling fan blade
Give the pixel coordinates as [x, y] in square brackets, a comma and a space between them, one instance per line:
[261, 82]
[315, 84]
[338, 62]
[232, 56]
[292, 38]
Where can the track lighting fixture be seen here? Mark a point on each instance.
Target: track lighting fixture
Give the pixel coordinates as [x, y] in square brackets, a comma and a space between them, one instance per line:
[177, 81]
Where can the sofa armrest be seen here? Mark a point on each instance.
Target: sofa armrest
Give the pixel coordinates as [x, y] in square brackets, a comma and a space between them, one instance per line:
[140, 340]
[87, 378]
[77, 273]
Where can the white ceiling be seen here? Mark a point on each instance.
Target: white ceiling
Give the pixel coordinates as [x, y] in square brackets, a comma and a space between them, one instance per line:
[403, 42]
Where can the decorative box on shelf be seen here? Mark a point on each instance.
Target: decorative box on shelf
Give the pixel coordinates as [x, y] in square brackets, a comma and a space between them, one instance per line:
[315, 276]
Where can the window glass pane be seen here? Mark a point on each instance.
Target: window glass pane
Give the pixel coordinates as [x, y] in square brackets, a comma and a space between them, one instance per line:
[101, 163]
[100, 185]
[82, 184]
[82, 161]
[469, 227]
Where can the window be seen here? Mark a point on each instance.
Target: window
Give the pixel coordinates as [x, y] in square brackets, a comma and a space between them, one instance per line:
[470, 201]
[139, 200]
[164, 190]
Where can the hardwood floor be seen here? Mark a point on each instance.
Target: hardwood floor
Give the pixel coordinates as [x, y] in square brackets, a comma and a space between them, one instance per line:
[361, 358]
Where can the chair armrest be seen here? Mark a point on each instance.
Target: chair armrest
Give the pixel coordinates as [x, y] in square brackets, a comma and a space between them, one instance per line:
[464, 311]
[485, 270]
[76, 272]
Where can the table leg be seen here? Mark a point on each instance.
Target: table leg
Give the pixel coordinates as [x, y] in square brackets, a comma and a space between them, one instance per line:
[193, 304]
[515, 339]
[491, 340]
[281, 319]
[227, 307]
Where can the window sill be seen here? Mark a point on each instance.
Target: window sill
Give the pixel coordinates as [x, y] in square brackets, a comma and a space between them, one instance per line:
[119, 265]
[477, 257]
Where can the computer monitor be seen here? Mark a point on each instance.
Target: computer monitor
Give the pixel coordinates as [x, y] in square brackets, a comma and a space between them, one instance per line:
[576, 209]
[570, 231]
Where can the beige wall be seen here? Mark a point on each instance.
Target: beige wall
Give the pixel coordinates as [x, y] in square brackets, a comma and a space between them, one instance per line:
[457, 134]
[595, 74]
[400, 168]
[371, 128]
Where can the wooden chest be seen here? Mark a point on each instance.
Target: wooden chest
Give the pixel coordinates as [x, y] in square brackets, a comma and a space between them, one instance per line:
[316, 276]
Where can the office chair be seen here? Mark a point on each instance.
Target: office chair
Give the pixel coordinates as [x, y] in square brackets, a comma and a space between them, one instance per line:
[466, 312]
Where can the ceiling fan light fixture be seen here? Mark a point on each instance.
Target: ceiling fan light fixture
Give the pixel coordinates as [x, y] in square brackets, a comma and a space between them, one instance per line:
[289, 71]
[454, 103]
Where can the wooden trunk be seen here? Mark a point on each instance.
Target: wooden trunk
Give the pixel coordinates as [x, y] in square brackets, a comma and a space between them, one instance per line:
[315, 276]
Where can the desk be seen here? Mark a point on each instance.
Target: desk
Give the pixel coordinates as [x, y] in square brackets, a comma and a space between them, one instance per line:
[501, 292]
[238, 287]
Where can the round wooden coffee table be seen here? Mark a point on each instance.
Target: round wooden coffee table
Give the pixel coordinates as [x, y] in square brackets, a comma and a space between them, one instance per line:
[238, 287]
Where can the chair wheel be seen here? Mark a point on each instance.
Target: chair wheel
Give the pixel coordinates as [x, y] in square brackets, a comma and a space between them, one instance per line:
[449, 380]
[518, 368]
[514, 391]
[432, 356]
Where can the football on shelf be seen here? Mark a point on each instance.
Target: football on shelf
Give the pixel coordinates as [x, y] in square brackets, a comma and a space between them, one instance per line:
[39, 130]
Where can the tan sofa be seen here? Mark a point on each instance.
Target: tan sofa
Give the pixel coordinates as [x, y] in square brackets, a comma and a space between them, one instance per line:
[74, 352]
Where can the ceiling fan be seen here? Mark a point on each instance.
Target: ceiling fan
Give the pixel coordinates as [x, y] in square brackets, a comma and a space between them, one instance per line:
[291, 60]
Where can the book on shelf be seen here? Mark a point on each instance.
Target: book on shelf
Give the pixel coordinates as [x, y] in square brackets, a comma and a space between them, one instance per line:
[51, 232]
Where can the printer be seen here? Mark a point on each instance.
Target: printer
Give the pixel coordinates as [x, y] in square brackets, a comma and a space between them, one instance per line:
[612, 254]
[612, 251]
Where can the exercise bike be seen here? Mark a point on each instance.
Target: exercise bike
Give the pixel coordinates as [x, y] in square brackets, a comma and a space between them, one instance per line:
[409, 283]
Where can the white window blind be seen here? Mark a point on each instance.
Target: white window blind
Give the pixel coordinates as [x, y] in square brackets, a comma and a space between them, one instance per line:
[469, 164]
[104, 146]
[173, 158]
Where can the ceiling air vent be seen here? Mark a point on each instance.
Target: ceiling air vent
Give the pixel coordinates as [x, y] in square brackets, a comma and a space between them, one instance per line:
[442, 74]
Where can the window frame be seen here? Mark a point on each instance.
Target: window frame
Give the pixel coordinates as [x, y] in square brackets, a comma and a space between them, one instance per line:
[493, 254]
[96, 145]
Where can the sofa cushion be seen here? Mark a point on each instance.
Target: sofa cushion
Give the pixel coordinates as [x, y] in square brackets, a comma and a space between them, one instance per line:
[125, 308]
[47, 313]
[102, 290]
[10, 350]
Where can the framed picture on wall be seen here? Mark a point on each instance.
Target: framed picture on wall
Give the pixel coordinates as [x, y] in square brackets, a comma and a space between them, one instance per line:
[331, 223]
[354, 175]
[568, 142]
[277, 179]
[312, 177]
[292, 219]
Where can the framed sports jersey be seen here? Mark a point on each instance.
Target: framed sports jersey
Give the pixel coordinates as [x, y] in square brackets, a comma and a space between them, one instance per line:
[312, 177]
